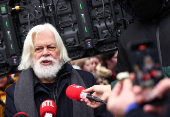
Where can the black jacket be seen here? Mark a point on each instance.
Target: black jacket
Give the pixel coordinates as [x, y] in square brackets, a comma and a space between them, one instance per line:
[64, 104]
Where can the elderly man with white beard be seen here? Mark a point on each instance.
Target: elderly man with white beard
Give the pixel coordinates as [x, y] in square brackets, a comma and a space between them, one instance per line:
[46, 73]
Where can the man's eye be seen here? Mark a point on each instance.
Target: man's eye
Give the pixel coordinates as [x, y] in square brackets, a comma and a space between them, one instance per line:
[38, 49]
[51, 48]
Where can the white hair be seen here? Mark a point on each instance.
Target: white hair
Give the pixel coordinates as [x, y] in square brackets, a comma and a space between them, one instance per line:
[26, 59]
[48, 72]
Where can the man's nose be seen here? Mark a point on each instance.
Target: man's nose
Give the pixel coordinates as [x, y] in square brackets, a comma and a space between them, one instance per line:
[46, 52]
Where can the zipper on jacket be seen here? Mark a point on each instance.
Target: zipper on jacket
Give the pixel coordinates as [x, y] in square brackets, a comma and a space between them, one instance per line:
[53, 92]
[58, 85]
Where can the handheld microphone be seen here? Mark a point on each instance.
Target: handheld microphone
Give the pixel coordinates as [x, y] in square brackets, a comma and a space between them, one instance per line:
[48, 108]
[21, 114]
[75, 92]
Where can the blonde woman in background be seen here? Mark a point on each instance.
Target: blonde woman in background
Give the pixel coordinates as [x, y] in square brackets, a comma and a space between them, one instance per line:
[84, 64]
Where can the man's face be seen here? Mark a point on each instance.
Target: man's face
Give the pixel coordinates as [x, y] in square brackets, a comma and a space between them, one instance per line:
[45, 46]
[46, 61]
[93, 63]
[86, 66]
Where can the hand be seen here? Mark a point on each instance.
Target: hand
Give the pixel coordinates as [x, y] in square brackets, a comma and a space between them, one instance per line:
[159, 90]
[100, 91]
[121, 97]
[155, 109]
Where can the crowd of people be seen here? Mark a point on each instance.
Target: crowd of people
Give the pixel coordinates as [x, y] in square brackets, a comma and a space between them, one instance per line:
[103, 67]
[47, 71]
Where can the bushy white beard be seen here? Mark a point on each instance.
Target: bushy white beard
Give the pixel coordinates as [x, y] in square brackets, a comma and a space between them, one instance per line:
[47, 72]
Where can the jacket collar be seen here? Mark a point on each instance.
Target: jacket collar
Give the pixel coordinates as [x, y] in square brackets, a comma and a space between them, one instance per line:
[66, 68]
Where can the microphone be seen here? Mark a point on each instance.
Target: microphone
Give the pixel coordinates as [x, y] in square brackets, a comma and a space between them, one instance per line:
[21, 114]
[48, 108]
[75, 92]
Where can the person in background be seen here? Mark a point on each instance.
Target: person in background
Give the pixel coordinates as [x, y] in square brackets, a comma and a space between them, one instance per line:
[94, 61]
[74, 64]
[105, 82]
[2, 110]
[46, 74]
[5, 82]
[98, 79]
[104, 73]
[109, 60]
[16, 75]
[84, 64]
[139, 73]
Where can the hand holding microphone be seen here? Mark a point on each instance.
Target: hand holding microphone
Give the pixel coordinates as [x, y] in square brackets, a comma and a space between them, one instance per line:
[100, 91]
[48, 108]
[75, 92]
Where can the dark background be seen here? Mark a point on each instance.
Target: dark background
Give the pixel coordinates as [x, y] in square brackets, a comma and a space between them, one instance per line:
[87, 27]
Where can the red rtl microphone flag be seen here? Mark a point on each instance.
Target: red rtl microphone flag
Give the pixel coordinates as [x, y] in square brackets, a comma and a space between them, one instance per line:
[48, 107]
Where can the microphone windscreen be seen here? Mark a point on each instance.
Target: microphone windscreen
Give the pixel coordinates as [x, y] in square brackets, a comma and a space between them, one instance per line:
[48, 106]
[74, 91]
[21, 114]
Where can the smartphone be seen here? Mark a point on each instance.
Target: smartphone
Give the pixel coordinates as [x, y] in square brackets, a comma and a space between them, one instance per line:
[144, 60]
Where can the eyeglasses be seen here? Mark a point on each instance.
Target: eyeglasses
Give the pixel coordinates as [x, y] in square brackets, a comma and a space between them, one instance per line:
[41, 48]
